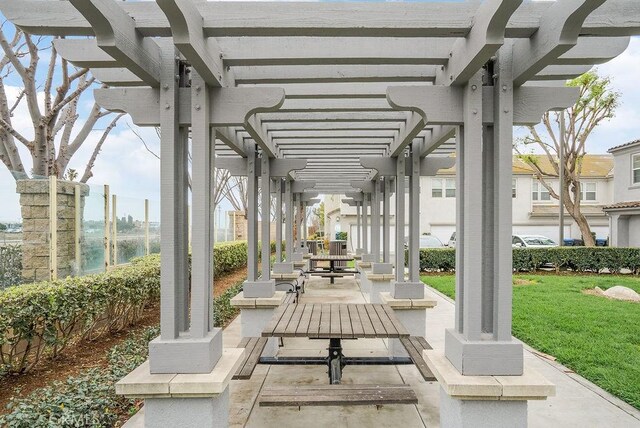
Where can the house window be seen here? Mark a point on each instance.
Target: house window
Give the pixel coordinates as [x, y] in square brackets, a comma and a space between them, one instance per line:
[441, 187]
[514, 187]
[588, 191]
[540, 193]
[635, 168]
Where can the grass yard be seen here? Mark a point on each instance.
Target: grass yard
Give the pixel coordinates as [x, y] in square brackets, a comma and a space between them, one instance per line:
[596, 337]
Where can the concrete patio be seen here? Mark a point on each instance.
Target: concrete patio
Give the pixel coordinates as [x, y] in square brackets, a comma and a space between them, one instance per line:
[578, 403]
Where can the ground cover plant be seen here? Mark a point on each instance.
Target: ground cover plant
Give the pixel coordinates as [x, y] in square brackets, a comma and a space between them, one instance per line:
[596, 337]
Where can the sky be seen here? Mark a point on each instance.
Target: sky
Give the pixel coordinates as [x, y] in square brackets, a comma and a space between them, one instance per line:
[134, 174]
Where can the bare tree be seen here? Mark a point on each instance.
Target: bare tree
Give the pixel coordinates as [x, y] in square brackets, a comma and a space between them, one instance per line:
[54, 114]
[597, 102]
[235, 191]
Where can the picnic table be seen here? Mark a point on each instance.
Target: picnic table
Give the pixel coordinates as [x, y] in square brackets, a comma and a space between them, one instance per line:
[335, 322]
[333, 269]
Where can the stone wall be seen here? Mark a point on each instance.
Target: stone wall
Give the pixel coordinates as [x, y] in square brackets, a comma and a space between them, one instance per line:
[34, 202]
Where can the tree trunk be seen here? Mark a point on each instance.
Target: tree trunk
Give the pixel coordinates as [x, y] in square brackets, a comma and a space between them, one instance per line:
[587, 237]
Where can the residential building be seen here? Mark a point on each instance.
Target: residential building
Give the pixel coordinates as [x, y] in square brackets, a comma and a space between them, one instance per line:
[535, 212]
[624, 212]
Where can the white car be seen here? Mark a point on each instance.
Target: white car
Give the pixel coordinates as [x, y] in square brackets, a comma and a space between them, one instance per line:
[532, 241]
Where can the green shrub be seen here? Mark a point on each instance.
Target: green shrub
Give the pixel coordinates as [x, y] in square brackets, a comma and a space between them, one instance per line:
[41, 318]
[578, 259]
[223, 312]
[10, 265]
[341, 236]
[85, 400]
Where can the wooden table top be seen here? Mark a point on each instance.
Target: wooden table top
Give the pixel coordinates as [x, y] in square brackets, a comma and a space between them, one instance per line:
[335, 321]
[331, 257]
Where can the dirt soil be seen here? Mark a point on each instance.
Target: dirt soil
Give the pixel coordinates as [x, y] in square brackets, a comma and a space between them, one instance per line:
[85, 355]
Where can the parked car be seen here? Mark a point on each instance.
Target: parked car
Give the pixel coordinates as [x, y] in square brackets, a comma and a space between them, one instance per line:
[430, 241]
[452, 241]
[426, 241]
[532, 241]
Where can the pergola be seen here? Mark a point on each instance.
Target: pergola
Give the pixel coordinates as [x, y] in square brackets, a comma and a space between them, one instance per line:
[333, 98]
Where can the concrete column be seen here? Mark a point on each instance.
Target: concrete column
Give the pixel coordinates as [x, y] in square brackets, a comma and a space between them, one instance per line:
[375, 221]
[288, 219]
[278, 189]
[480, 343]
[386, 221]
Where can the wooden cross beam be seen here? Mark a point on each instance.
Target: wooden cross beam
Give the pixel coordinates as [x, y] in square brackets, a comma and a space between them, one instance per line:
[116, 34]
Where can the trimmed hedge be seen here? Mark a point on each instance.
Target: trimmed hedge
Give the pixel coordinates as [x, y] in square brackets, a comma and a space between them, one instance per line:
[41, 319]
[577, 259]
[89, 399]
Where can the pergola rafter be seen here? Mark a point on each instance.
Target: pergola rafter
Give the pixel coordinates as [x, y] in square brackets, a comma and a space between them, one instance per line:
[349, 98]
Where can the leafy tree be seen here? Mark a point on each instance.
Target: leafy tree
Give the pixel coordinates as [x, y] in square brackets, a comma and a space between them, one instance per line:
[3, 226]
[597, 102]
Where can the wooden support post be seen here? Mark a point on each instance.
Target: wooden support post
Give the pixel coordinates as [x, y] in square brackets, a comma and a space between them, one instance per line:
[414, 213]
[278, 187]
[365, 223]
[386, 221]
[400, 218]
[288, 233]
[252, 216]
[359, 225]
[107, 231]
[266, 218]
[202, 253]
[114, 229]
[305, 231]
[77, 236]
[53, 228]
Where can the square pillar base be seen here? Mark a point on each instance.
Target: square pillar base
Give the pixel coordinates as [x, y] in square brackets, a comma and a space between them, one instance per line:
[187, 412]
[182, 400]
[407, 290]
[483, 357]
[256, 289]
[167, 356]
[413, 315]
[255, 314]
[485, 401]
[456, 413]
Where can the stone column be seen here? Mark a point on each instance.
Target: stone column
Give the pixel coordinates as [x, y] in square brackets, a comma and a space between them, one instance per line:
[35, 210]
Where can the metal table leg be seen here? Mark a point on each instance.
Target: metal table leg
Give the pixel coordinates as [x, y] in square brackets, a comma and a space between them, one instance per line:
[334, 361]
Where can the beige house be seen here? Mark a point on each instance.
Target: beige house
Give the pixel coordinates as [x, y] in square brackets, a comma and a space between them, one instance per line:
[534, 210]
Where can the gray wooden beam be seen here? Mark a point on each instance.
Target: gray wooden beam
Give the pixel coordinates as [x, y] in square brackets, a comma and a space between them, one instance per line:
[116, 34]
[559, 30]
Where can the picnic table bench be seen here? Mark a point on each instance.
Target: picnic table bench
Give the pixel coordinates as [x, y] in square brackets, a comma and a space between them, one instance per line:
[334, 270]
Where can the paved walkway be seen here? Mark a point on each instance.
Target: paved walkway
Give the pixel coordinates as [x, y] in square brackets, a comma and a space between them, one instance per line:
[578, 402]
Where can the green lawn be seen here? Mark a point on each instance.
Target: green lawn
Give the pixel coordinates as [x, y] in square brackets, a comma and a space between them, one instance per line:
[596, 337]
